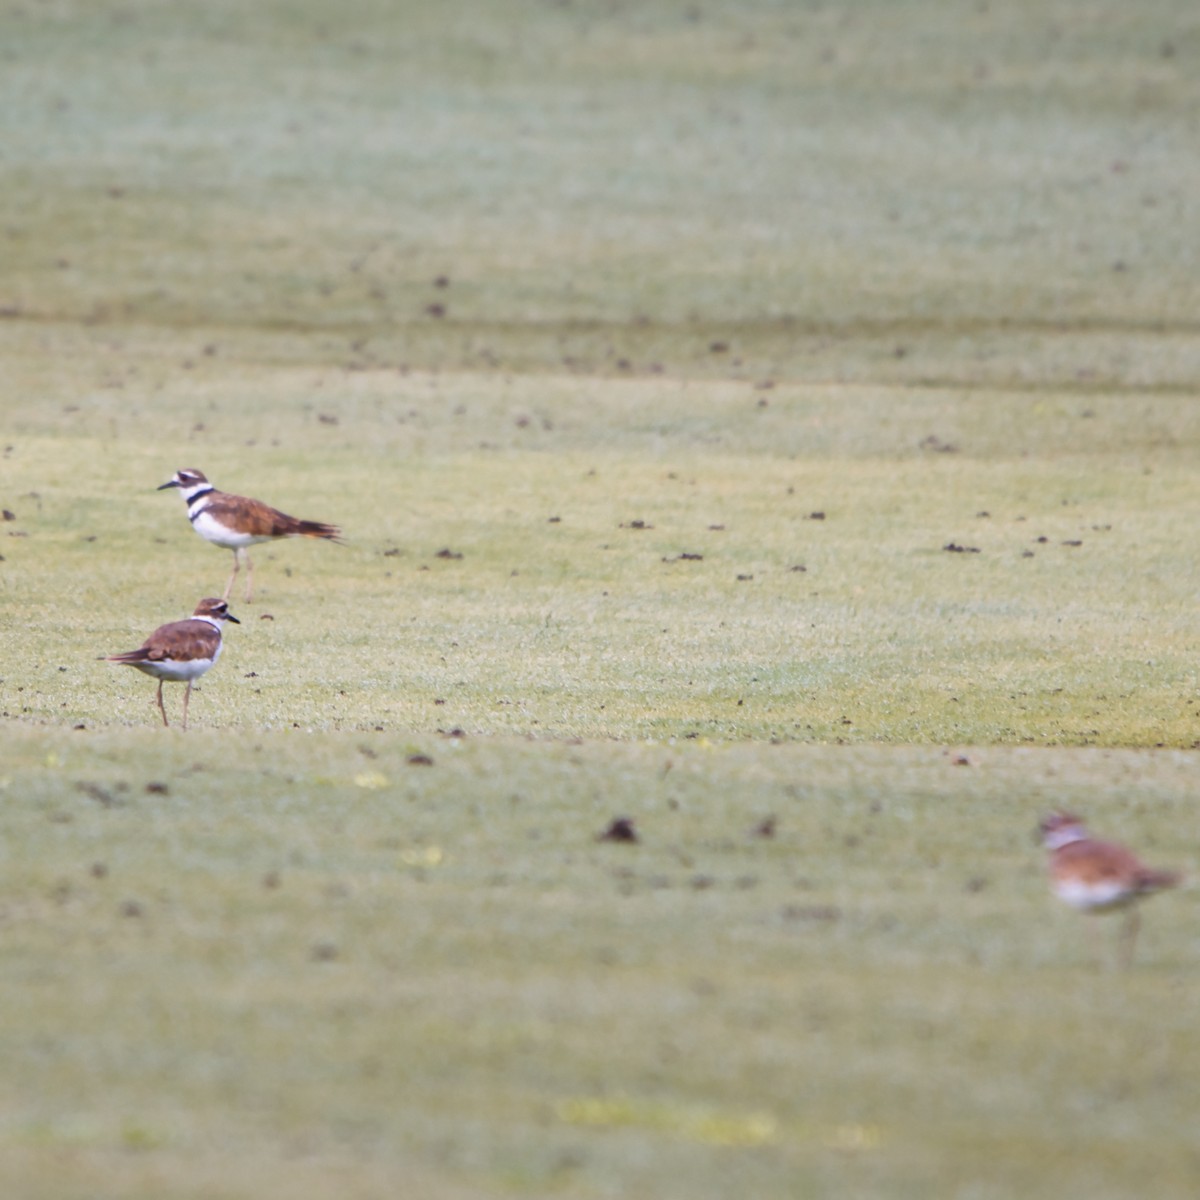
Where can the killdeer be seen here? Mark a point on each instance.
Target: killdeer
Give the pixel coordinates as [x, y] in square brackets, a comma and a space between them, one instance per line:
[1097, 877]
[182, 650]
[236, 522]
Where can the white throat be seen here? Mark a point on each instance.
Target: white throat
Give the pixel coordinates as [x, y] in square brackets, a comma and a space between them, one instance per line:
[1055, 839]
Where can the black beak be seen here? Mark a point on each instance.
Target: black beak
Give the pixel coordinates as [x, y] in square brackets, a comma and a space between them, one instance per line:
[169, 483]
[230, 617]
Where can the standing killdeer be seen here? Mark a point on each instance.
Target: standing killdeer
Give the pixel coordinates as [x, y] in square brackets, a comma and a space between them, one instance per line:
[236, 522]
[1097, 877]
[182, 650]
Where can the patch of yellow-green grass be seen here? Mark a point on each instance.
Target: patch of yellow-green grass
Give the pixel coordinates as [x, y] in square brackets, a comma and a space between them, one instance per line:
[603, 558]
[308, 950]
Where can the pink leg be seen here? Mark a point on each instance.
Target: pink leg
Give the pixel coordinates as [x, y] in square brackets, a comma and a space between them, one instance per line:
[1129, 932]
[229, 585]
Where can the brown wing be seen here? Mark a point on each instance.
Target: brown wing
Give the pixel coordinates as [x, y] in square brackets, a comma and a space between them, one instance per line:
[177, 641]
[1093, 861]
[261, 520]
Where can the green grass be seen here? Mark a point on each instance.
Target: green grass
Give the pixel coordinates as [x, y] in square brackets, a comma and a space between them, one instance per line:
[694, 335]
[304, 949]
[563, 618]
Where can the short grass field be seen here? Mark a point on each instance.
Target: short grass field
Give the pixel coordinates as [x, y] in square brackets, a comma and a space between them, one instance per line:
[773, 424]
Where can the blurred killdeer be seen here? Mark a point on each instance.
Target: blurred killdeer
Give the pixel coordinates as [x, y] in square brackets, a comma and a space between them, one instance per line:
[236, 522]
[182, 650]
[1096, 876]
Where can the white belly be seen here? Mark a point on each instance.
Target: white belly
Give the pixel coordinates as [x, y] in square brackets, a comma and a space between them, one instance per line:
[1094, 896]
[186, 669]
[221, 535]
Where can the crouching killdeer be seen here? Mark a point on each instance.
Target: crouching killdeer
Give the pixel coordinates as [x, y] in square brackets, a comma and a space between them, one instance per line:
[182, 650]
[236, 522]
[1097, 877]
